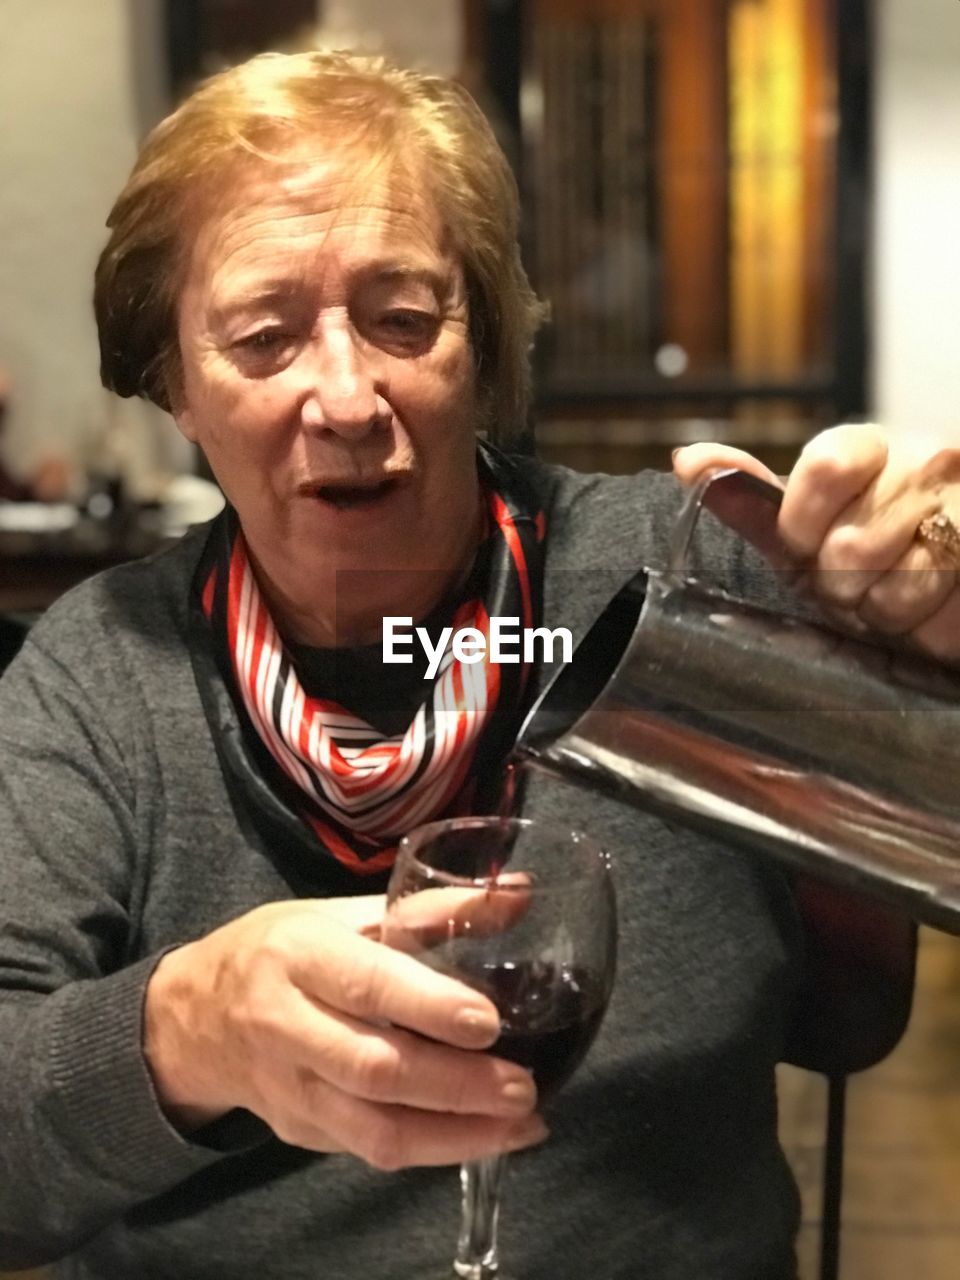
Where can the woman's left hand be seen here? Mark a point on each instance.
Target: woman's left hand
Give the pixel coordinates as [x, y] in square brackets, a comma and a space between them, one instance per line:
[850, 518]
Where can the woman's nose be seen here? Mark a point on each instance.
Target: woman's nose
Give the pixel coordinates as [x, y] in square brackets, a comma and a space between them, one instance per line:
[342, 394]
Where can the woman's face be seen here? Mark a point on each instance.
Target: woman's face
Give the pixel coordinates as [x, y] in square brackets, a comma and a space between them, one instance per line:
[329, 379]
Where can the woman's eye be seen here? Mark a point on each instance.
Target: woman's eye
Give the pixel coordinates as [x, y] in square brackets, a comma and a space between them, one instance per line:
[265, 351]
[264, 340]
[406, 324]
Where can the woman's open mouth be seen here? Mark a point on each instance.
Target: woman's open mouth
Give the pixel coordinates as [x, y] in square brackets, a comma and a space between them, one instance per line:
[346, 497]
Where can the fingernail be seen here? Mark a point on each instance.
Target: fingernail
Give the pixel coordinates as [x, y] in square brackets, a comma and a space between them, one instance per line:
[477, 1026]
[519, 1094]
[527, 1134]
[674, 452]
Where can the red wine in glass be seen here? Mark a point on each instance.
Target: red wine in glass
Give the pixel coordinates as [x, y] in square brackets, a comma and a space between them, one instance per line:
[549, 1016]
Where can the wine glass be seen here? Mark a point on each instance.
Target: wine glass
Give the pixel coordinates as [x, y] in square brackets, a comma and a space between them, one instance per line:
[525, 912]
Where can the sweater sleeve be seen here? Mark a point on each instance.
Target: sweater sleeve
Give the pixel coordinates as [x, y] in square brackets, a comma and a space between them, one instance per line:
[82, 1137]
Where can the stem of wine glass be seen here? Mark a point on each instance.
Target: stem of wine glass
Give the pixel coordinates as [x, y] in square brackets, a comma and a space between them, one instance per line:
[479, 1207]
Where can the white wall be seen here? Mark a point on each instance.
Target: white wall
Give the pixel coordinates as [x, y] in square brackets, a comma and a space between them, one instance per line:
[917, 219]
[80, 80]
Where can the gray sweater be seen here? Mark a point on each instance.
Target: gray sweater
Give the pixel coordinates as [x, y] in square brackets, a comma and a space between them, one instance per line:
[118, 840]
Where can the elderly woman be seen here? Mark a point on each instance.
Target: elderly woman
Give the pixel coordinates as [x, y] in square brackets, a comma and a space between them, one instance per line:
[211, 1067]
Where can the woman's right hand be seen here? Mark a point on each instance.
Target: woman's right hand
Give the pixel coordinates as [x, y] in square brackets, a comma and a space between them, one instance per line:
[298, 1014]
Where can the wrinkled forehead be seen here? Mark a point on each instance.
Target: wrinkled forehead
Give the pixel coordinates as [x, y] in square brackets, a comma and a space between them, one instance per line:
[307, 186]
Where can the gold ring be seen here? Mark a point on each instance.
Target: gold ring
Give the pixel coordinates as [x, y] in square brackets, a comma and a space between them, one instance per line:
[940, 534]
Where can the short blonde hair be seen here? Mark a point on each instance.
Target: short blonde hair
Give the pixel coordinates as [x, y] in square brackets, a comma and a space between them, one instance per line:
[279, 102]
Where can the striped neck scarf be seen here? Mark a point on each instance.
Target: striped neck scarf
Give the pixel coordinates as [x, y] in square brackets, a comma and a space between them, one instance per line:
[355, 789]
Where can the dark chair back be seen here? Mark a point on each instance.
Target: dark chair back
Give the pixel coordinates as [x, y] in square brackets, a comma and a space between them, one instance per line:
[12, 633]
[853, 1009]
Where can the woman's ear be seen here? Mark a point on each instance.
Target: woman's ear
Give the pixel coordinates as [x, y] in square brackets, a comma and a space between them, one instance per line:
[177, 400]
[184, 420]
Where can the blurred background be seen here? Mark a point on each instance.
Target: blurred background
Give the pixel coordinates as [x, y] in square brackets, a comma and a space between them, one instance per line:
[742, 213]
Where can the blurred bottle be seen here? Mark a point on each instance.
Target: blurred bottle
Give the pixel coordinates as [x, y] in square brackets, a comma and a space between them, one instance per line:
[108, 462]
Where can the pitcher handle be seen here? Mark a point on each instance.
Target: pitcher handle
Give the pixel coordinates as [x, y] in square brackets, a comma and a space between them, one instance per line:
[744, 502]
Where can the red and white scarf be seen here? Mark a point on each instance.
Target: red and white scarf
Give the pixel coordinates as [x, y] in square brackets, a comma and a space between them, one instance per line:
[356, 789]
